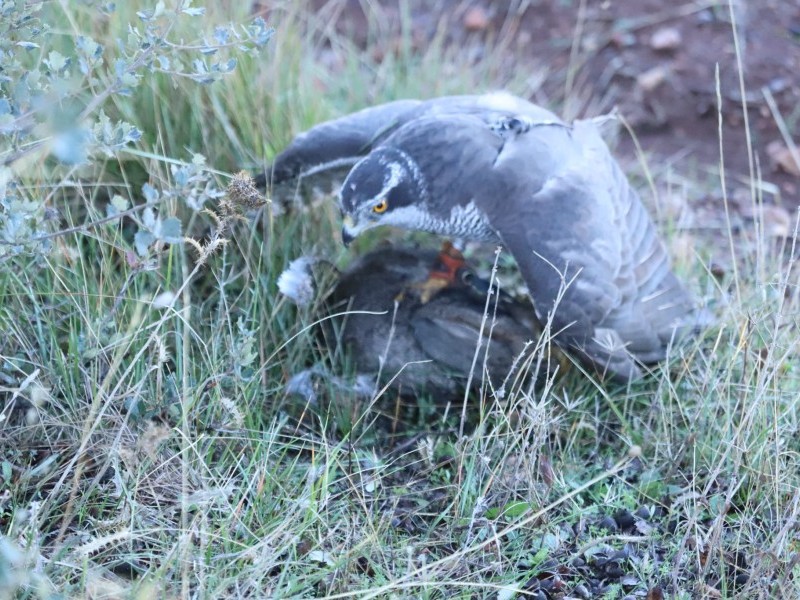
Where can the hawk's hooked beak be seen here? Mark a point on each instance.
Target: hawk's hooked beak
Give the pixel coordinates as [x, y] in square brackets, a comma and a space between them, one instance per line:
[349, 230]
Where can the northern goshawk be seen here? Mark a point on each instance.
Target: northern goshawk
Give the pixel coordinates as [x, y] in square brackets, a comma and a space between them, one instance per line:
[499, 169]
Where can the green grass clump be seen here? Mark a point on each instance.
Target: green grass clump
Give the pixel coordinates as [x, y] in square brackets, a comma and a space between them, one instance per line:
[147, 447]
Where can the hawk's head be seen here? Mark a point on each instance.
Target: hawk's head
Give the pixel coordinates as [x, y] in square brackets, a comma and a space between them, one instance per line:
[384, 188]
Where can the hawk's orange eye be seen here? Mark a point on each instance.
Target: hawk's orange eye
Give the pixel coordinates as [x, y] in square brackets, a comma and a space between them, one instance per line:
[381, 206]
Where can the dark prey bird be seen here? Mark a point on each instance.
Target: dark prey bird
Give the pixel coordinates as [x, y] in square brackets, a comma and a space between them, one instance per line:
[496, 168]
[432, 346]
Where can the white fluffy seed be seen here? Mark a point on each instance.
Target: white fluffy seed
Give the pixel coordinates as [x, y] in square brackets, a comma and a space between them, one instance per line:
[296, 282]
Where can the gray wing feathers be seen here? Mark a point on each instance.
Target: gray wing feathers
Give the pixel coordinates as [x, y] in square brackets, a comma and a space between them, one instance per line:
[572, 284]
[488, 107]
[591, 255]
[337, 143]
[660, 307]
[340, 143]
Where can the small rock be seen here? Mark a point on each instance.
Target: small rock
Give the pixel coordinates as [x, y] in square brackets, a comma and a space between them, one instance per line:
[705, 17]
[643, 512]
[532, 585]
[783, 159]
[581, 591]
[629, 581]
[666, 39]
[608, 524]
[547, 584]
[625, 519]
[776, 221]
[614, 571]
[476, 19]
[718, 270]
[652, 78]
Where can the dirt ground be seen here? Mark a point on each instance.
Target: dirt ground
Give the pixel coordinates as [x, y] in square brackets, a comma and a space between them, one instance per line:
[653, 60]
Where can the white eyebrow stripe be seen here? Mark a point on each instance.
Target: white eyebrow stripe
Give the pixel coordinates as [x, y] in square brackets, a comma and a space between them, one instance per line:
[393, 177]
[400, 164]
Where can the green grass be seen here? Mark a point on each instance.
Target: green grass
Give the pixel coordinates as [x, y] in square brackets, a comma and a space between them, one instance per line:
[151, 452]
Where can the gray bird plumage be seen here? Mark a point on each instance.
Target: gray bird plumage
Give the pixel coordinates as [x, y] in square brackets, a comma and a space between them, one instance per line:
[496, 167]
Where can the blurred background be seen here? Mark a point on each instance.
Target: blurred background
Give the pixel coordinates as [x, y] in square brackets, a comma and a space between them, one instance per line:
[669, 67]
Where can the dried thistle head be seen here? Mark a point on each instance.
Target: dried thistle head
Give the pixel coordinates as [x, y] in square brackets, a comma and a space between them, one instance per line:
[242, 195]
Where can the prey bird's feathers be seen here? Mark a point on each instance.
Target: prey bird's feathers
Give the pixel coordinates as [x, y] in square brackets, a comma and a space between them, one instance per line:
[497, 167]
